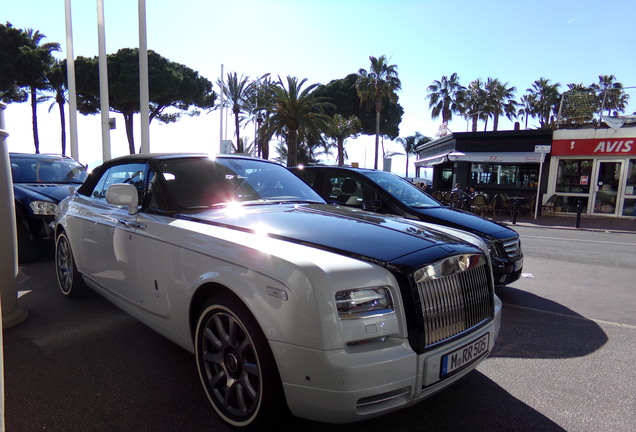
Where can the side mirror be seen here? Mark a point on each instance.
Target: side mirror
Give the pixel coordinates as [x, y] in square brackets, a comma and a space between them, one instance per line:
[372, 206]
[123, 194]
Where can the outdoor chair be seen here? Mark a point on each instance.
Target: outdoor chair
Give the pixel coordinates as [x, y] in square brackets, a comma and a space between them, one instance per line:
[549, 205]
[477, 204]
[453, 200]
[506, 204]
[489, 206]
[528, 205]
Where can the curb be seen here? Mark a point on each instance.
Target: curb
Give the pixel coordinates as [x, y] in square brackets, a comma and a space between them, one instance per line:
[564, 227]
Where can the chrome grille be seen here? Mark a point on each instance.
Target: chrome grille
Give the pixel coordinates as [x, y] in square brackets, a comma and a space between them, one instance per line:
[512, 247]
[456, 296]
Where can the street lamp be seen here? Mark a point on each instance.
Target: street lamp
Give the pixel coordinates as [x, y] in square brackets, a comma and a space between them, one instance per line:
[259, 121]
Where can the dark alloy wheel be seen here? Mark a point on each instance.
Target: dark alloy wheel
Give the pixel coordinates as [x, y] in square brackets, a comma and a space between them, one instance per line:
[236, 365]
[69, 279]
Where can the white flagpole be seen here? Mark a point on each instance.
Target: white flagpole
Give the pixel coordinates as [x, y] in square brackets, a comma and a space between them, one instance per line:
[70, 74]
[144, 92]
[103, 82]
[221, 114]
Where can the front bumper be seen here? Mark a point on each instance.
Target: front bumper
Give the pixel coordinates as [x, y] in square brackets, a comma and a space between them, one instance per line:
[349, 385]
[505, 271]
[41, 227]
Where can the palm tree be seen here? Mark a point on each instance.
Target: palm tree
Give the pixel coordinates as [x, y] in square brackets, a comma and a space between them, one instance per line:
[308, 149]
[340, 129]
[474, 103]
[379, 82]
[57, 84]
[38, 59]
[611, 94]
[293, 108]
[410, 144]
[500, 100]
[545, 98]
[257, 108]
[445, 97]
[526, 111]
[237, 92]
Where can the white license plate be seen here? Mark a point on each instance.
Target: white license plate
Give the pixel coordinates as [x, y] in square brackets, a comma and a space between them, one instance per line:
[518, 264]
[464, 356]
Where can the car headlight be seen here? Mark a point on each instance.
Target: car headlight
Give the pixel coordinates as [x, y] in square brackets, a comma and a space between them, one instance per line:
[364, 302]
[493, 250]
[44, 208]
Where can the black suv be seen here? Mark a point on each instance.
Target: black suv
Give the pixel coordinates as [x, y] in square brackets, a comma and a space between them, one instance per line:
[40, 182]
[383, 192]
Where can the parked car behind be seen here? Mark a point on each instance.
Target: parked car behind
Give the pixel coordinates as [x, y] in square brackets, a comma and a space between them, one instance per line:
[287, 302]
[40, 182]
[386, 193]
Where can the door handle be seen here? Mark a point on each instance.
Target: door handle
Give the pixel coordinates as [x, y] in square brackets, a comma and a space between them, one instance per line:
[131, 224]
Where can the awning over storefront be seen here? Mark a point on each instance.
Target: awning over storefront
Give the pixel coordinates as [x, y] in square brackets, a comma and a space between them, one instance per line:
[482, 157]
[433, 160]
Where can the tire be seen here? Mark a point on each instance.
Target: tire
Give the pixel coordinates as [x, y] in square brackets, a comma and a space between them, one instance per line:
[69, 280]
[236, 366]
[27, 246]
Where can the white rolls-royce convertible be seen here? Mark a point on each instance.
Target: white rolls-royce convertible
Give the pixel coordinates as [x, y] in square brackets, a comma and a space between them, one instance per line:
[289, 304]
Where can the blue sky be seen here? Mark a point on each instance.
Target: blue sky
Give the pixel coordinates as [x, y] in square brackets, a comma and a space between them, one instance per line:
[515, 41]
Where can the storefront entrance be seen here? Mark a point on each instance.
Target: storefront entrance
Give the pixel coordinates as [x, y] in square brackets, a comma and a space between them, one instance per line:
[607, 187]
[595, 170]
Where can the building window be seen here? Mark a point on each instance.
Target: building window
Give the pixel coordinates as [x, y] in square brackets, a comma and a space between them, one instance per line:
[629, 202]
[574, 175]
[570, 204]
[526, 175]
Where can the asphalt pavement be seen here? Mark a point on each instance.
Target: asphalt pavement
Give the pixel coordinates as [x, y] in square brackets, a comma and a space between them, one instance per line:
[85, 365]
[585, 223]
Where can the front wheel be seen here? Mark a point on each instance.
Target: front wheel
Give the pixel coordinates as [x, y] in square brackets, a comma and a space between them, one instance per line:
[236, 366]
[27, 245]
[69, 279]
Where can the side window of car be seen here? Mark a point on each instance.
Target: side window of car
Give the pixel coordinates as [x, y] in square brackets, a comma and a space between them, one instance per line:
[308, 177]
[127, 173]
[345, 190]
[157, 199]
[368, 192]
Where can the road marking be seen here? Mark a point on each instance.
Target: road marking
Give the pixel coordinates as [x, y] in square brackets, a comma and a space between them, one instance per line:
[577, 317]
[579, 240]
[21, 293]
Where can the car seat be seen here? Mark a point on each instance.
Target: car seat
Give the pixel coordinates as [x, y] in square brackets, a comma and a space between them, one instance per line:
[349, 187]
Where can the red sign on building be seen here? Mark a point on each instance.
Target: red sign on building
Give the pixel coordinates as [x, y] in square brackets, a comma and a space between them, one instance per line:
[594, 147]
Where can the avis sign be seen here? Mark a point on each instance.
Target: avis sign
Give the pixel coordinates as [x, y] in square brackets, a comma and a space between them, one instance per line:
[594, 147]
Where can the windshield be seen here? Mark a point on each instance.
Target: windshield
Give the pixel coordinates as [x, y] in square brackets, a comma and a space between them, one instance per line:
[402, 190]
[196, 183]
[46, 169]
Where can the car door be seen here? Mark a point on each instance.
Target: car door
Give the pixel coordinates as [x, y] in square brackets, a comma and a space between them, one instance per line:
[158, 256]
[108, 251]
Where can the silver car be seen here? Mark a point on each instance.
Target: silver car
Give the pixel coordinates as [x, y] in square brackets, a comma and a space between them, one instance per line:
[288, 304]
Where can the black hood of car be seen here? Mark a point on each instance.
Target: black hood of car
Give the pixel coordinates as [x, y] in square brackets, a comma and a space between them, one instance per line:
[463, 220]
[52, 192]
[339, 229]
